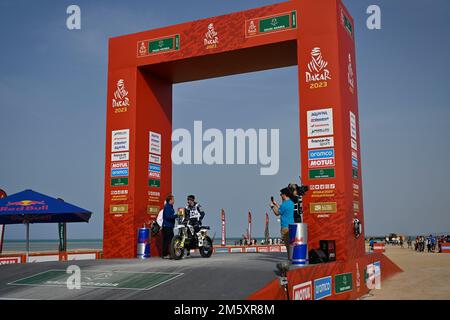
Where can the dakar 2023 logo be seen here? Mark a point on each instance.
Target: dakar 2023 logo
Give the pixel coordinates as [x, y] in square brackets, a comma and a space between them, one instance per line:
[120, 102]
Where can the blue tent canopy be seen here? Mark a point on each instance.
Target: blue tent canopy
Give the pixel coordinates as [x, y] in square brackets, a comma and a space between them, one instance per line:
[29, 206]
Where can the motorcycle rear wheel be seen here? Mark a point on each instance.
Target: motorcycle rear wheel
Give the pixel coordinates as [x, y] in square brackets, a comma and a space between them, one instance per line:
[207, 249]
[176, 251]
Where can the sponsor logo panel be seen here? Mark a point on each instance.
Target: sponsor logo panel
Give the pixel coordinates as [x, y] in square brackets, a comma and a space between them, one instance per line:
[352, 125]
[156, 46]
[345, 21]
[10, 260]
[154, 183]
[120, 140]
[303, 291]
[266, 25]
[119, 173]
[155, 175]
[323, 207]
[322, 190]
[122, 156]
[322, 288]
[118, 208]
[153, 210]
[154, 167]
[321, 173]
[354, 144]
[355, 173]
[321, 163]
[119, 195]
[320, 122]
[321, 154]
[153, 196]
[119, 182]
[343, 283]
[153, 158]
[316, 143]
[120, 165]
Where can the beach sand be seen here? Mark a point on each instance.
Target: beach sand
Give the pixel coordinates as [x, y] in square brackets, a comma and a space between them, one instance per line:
[425, 276]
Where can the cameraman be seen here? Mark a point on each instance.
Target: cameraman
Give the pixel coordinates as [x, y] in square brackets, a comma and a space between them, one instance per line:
[297, 200]
[286, 213]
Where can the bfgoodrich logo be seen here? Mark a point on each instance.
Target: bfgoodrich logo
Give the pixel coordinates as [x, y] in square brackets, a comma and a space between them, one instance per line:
[211, 37]
[317, 67]
[120, 95]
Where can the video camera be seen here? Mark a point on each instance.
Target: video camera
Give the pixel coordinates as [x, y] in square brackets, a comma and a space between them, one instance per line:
[301, 190]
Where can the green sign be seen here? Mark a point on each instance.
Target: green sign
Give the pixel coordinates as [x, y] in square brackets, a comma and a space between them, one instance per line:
[321, 173]
[348, 25]
[117, 182]
[154, 183]
[343, 283]
[100, 279]
[355, 173]
[274, 23]
[294, 19]
[165, 44]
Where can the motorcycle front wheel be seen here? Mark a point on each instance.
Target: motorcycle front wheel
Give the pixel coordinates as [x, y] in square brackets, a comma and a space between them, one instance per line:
[176, 250]
[207, 249]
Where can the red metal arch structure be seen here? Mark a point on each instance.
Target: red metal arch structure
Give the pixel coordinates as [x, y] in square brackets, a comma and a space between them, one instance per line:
[318, 36]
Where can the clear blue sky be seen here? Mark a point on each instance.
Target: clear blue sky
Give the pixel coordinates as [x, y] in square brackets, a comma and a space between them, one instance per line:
[53, 106]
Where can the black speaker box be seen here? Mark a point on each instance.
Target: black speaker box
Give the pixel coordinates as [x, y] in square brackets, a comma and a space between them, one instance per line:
[329, 247]
[317, 256]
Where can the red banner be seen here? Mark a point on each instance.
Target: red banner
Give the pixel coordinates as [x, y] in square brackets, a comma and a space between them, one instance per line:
[2, 227]
[249, 225]
[2, 234]
[223, 229]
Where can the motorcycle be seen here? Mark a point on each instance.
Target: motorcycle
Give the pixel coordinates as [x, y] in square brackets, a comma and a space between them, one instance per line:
[188, 239]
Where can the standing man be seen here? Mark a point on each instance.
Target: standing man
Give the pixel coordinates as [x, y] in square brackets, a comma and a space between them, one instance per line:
[169, 217]
[286, 214]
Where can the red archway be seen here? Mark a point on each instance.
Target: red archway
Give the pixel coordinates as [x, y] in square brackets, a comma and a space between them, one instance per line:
[318, 36]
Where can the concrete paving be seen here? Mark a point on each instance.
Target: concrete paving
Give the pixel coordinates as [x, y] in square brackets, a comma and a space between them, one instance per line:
[223, 276]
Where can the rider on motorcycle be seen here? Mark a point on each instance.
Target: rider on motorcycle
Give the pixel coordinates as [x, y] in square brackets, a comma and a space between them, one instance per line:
[194, 213]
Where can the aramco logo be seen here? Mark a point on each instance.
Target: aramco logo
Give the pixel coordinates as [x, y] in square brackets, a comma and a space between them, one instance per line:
[317, 67]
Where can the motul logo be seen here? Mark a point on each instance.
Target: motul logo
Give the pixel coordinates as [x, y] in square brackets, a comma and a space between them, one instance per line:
[303, 291]
[321, 163]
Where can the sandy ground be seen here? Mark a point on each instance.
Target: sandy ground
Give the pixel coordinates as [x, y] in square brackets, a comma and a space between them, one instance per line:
[426, 276]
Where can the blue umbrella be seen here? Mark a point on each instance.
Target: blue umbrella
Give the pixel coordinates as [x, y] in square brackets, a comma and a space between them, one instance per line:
[29, 206]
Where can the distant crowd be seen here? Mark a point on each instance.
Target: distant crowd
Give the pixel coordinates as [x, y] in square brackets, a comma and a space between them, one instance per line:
[429, 243]
[420, 244]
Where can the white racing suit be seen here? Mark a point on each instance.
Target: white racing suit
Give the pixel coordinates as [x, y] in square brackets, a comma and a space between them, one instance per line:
[195, 216]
